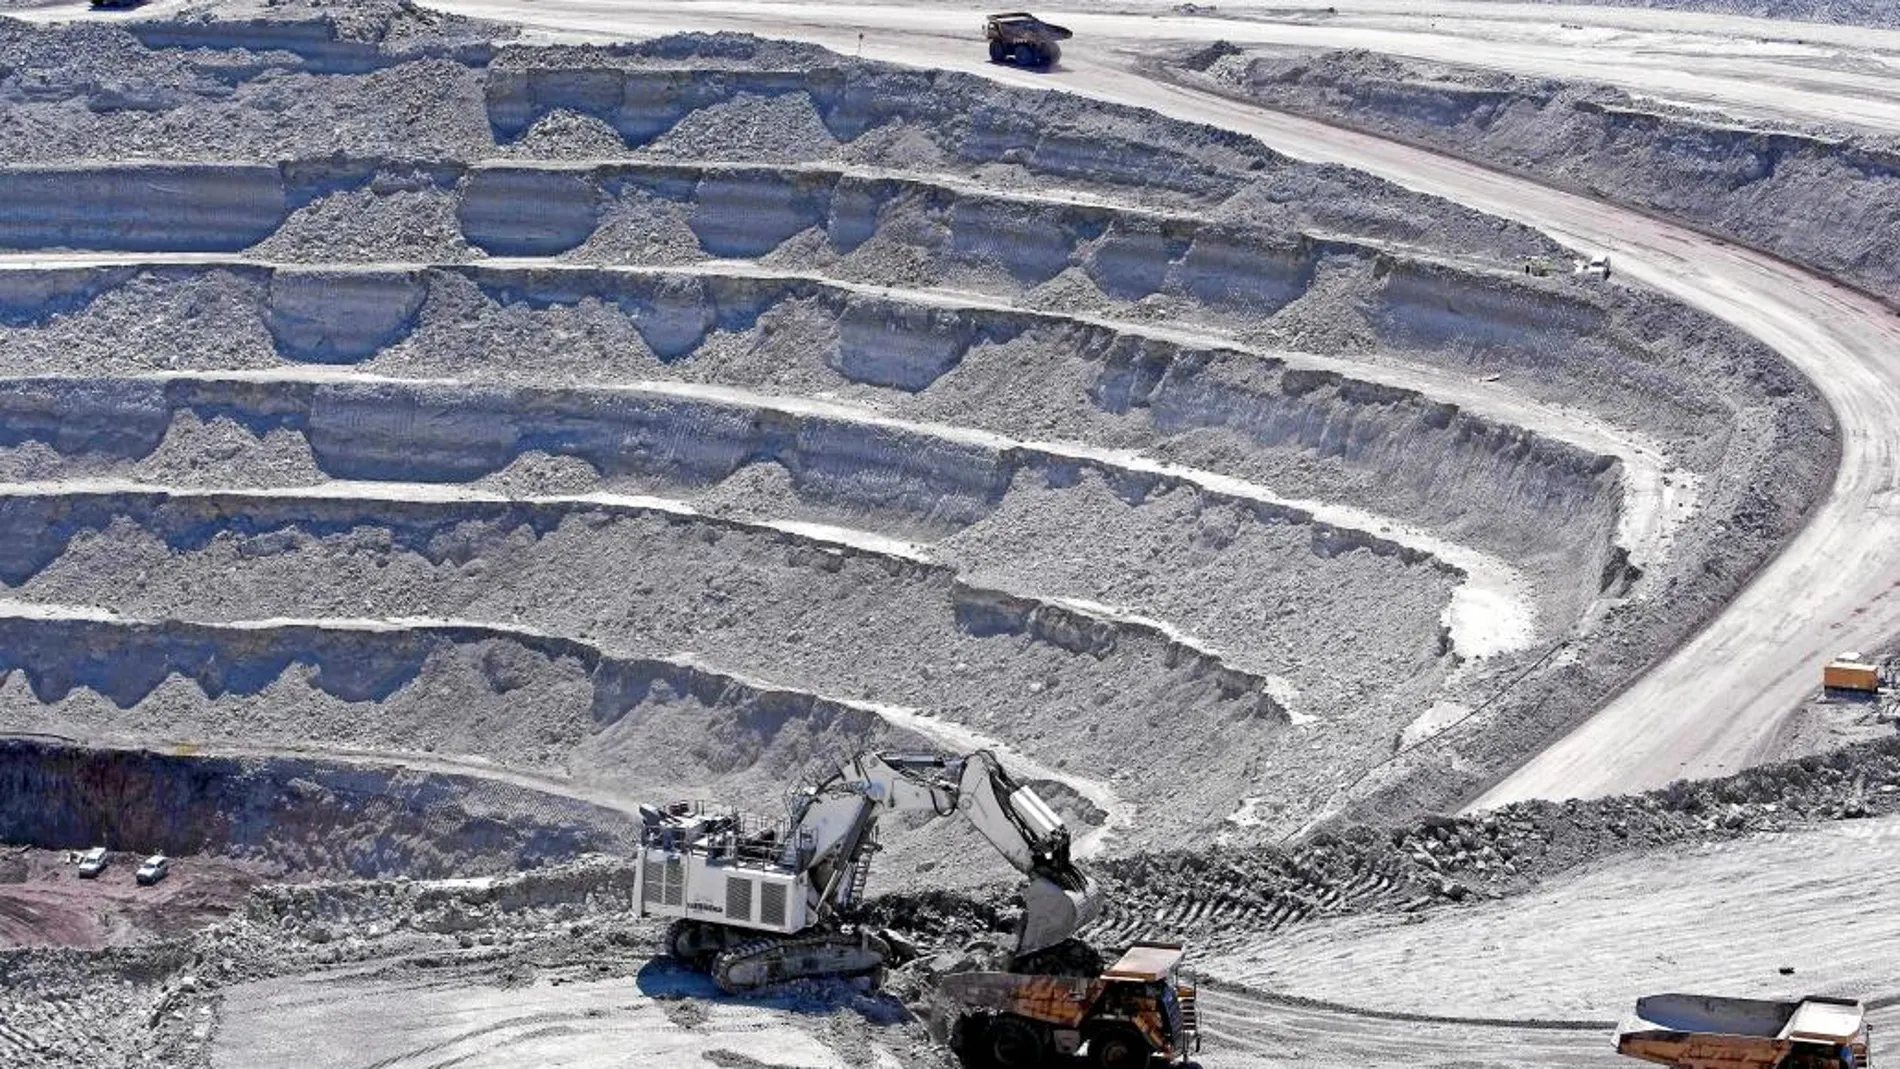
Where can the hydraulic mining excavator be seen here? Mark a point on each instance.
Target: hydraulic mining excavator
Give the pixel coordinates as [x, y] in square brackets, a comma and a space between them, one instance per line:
[758, 903]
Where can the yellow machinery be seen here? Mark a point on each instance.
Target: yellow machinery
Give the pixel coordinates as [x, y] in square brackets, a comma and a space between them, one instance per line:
[1134, 1011]
[1707, 1032]
[1849, 672]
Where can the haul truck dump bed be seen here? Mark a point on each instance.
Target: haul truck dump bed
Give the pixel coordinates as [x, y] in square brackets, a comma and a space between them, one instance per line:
[1705, 1032]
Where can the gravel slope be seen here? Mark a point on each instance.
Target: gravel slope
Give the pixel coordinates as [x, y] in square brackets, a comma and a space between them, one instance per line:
[1506, 510]
[1827, 200]
[1829, 344]
[809, 564]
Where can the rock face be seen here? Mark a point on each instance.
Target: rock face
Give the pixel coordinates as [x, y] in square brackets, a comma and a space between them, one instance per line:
[305, 816]
[417, 451]
[1825, 199]
[1011, 408]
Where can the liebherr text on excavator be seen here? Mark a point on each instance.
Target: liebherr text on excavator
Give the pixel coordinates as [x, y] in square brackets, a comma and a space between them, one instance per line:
[760, 903]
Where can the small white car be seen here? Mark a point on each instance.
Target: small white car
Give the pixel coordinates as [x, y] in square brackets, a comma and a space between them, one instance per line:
[156, 868]
[92, 862]
[1598, 266]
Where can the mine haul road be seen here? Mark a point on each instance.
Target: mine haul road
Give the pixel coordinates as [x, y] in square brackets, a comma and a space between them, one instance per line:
[1716, 704]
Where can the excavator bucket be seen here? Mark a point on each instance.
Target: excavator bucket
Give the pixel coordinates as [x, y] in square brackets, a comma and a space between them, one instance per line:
[1052, 914]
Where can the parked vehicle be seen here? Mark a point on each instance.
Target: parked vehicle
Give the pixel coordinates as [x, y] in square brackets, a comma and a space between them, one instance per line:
[1849, 672]
[92, 862]
[156, 868]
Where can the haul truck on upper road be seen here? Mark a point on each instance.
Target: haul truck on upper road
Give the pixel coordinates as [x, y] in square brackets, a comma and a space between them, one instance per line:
[1023, 39]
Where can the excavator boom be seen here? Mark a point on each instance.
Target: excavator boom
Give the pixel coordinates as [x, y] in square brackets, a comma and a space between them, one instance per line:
[1058, 898]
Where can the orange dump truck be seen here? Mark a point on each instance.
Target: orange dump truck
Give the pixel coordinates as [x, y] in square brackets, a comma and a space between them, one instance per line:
[1706, 1032]
[1849, 672]
[1136, 1010]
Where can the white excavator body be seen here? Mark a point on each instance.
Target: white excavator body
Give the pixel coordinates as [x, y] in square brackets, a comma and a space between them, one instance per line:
[758, 902]
[700, 864]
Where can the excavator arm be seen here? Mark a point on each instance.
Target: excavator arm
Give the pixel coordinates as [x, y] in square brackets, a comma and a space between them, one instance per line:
[1058, 898]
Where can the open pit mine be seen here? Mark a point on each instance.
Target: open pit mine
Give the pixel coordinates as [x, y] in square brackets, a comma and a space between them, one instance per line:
[745, 534]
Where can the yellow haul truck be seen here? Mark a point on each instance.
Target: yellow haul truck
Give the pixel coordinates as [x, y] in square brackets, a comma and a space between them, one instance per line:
[1135, 1011]
[1706, 1032]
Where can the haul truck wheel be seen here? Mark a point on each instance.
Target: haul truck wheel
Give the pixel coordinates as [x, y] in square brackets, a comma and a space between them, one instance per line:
[997, 52]
[970, 1039]
[1015, 1043]
[1118, 1047]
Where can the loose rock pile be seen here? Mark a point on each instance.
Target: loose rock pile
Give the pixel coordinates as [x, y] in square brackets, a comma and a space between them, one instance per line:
[1212, 894]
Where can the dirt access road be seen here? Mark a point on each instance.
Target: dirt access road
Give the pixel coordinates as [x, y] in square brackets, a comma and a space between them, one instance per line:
[1716, 704]
[1749, 66]
[1806, 72]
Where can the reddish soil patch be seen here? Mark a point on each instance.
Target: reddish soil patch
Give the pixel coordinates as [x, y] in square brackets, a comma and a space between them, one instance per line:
[43, 902]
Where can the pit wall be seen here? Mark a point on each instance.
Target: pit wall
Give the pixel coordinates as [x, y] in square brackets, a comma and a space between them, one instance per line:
[37, 530]
[641, 105]
[1305, 433]
[179, 85]
[557, 715]
[1828, 202]
[390, 431]
[321, 45]
[1633, 357]
[1001, 244]
[1721, 403]
[429, 433]
[527, 701]
[657, 441]
[968, 121]
[308, 816]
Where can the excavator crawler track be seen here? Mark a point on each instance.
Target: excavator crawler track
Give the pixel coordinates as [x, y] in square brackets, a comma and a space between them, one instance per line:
[764, 962]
